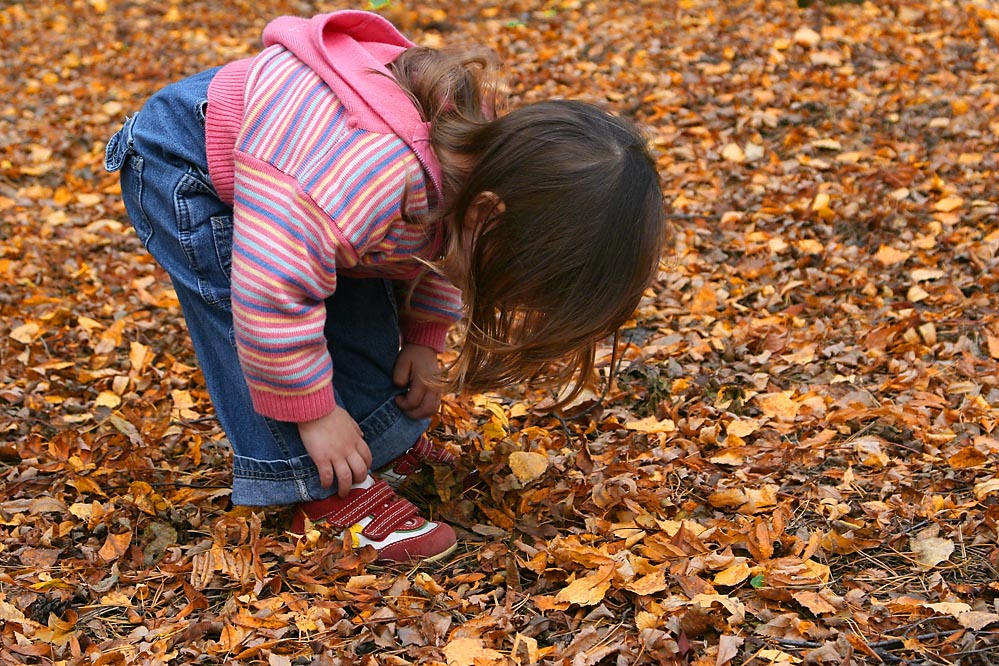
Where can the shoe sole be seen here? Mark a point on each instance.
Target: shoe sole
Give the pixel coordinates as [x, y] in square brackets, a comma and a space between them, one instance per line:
[440, 556]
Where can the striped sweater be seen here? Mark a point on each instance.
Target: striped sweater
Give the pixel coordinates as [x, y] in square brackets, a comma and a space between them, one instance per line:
[320, 185]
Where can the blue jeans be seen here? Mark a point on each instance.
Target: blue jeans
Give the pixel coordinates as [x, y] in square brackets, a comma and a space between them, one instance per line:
[181, 221]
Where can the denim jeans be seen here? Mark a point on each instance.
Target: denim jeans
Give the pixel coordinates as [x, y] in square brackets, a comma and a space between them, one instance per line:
[181, 221]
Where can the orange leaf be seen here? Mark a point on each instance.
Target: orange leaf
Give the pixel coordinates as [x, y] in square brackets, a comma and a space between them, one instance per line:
[813, 601]
[588, 590]
[733, 575]
[115, 546]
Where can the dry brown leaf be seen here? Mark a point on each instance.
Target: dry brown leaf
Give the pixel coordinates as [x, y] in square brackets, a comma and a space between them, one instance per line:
[470, 652]
[728, 648]
[814, 602]
[115, 546]
[742, 427]
[733, 575]
[931, 551]
[778, 405]
[649, 584]
[528, 466]
[889, 256]
[651, 424]
[588, 590]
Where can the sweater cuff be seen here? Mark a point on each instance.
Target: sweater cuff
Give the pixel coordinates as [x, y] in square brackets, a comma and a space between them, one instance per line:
[428, 334]
[295, 409]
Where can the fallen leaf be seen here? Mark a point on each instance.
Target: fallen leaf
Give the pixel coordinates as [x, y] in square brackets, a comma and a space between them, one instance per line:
[742, 427]
[588, 590]
[814, 602]
[889, 256]
[25, 333]
[733, 575]
[728, 648]
[931, 551]
[115, 546]
[528, 466]
[947, 204]
[778, 405]
[651, 424]
[470, 652]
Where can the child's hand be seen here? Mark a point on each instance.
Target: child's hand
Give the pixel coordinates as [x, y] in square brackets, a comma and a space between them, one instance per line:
[337, 447]
[416, 368]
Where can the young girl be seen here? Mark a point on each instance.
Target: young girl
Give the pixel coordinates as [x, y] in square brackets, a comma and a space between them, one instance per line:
[324, 208]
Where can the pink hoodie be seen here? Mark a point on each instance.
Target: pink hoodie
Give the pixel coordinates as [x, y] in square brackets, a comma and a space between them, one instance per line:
[349, 50]
[328, 167]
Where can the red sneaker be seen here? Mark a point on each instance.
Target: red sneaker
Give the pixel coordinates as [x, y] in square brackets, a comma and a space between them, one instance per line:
[373, 515]
[410, 462]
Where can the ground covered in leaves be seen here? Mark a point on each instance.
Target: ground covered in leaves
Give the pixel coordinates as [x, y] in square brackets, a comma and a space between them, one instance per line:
[795, 461]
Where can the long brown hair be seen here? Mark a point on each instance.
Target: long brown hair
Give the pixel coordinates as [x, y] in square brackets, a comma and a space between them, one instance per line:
[575, 238]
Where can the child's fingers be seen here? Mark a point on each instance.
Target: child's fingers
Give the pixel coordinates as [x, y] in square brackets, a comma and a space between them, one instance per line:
[326, 474]
[344, 478]
[422, 405]
[400, 373]
[411, 399]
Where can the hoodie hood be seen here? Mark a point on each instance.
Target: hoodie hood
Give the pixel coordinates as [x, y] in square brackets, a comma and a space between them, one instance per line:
[351, 50]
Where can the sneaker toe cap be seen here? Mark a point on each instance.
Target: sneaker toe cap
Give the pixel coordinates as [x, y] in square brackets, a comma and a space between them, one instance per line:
[430, 546]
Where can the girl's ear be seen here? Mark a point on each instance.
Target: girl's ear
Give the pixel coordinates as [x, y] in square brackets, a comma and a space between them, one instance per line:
[484, 205]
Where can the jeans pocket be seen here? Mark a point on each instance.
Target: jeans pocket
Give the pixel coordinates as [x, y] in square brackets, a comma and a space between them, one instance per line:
[222, 234]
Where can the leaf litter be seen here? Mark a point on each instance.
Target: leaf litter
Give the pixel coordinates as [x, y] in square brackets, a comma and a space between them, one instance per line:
[793, 463]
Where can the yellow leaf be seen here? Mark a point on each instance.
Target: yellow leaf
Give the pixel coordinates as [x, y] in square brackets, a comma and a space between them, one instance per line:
[733, 153]
[809, 246]
[649, 584]
[115, 546]
[821, 206]
[426, 583]
[646, 620]
[868, 449]
[826, 144]
[138, 356]
[728, 648]
[993, 341]
[107, 399]
[651, 424]
[528, 466]
[733, 575]
[85, 484]
[742, 427]
[777, 405]
[526, 645]
[588, 590]
[947, 204]
[776, 657]
[729, 497]
[889, 256]
[736, 609]
[25, 333]
[469, 652]
[760, 499]
[986, 488]
[807, 37]
[924, 274]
